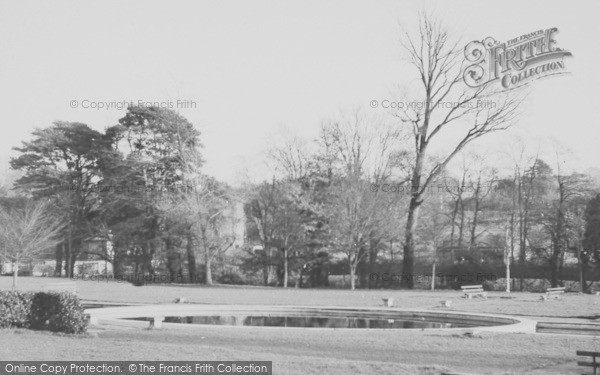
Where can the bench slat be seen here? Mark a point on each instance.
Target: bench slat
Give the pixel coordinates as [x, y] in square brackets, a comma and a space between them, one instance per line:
[588, 364]
[587, 353]
[473, 290]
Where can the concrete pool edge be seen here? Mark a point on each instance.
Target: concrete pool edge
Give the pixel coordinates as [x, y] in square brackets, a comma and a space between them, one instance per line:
[505, 323]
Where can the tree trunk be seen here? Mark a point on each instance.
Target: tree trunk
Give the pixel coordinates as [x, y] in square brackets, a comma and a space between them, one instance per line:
[15, 267]
[475, 216]
[409, 242]
[554, 265]
[452, 229]
[208, 270]
[352, 275]
[433, 277]
[512, 232]
[266, 275]
[72, 264]
[285, 267]
[521, 250]
[67, 254]
[191, 258]
[580, 268]
[117, 269]
[508, 277]
[461, 227]
[68, 263]
[458, 203]
[373, 250]
[553, 274]
[59, 260]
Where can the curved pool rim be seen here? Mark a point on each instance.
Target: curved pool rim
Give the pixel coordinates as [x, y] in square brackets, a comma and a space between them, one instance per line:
[489, 322]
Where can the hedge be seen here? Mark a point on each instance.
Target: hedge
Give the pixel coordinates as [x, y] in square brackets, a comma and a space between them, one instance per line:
[14, 308]
[51, 311]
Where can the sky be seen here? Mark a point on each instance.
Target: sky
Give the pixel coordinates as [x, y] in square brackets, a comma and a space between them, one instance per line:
[249, 70]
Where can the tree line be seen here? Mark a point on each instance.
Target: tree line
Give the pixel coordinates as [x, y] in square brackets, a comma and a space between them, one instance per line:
[370, 191]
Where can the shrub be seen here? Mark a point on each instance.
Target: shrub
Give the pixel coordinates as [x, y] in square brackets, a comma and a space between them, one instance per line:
[232, 278]
[14, 308]
[22, 272]
[137, 282]
[488, 285]
[57, 312]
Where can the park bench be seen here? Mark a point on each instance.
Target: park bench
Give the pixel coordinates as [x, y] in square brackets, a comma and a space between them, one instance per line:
[63, 286]
[156, 321]
[473, 290]
[591, 329]
[595, 364]
[553, 292]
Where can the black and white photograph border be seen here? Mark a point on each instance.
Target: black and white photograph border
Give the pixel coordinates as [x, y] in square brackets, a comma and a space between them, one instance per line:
[299, 187]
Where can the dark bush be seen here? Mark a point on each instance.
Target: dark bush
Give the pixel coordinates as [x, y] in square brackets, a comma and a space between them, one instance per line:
[137, 282]
[232, 278]
[14, 308]
[22, 272]
[57, 312]
[488, 285]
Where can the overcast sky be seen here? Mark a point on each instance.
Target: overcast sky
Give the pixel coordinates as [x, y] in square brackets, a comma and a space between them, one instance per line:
[253, 67]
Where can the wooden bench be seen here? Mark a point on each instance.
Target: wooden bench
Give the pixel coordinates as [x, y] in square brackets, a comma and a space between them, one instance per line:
[473, 290]
[553, 292]
[64, 286]
[591, 329]
[595, 364]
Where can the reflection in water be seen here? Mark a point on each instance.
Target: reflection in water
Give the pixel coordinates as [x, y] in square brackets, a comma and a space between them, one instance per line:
[311, 322]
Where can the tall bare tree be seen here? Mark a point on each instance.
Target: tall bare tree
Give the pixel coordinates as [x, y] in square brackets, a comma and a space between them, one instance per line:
[558, 220]
[364, 153]
[204, 212]
[27, 231]
[446, 103]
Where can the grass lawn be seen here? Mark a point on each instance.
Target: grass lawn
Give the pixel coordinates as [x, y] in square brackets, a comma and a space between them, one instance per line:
[306, 351]
[571, 305]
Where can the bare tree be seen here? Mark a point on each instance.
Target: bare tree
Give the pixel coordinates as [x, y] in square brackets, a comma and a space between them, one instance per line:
[206, 212]
[520, 192]
[291, 156]
[363, 152]
[458, 210]
[560, 219]
[446, 103]
[432, 232]
[27, 231]
[485, 177]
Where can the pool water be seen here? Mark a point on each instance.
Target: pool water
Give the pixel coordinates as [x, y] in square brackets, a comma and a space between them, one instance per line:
[313, 322]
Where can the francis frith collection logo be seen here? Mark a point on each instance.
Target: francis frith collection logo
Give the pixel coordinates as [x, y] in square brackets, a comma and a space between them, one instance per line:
[516, 62]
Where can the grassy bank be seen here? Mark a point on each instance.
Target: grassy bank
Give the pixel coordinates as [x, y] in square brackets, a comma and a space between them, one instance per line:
[306, 351]
[571, 305]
